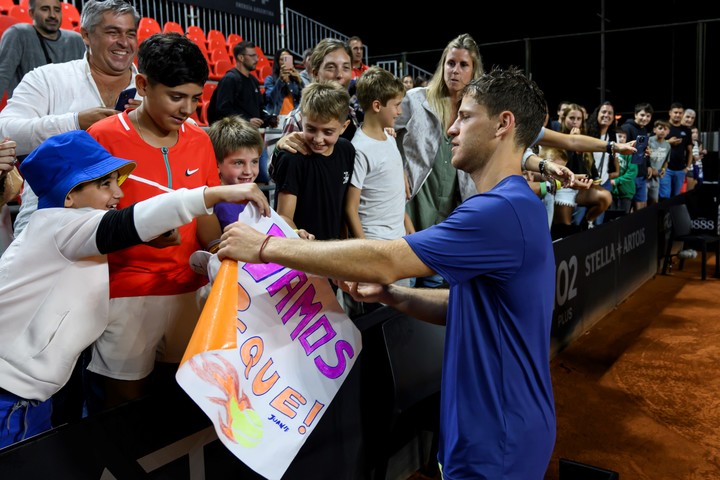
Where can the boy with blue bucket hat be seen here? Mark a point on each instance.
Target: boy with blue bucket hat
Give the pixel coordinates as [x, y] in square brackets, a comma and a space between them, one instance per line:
[54, 277]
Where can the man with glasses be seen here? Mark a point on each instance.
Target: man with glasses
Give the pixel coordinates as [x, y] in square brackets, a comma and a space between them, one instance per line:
[238, 93]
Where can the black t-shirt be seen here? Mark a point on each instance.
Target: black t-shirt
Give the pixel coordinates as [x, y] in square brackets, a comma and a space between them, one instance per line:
[320, 183]
[678, 153]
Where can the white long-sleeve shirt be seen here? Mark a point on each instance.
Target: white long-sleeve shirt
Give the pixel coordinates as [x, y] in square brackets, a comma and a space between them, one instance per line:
[54, 286]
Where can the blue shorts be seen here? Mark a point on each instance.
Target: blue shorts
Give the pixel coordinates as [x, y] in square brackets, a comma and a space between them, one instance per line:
[640, 189]
[21, 419]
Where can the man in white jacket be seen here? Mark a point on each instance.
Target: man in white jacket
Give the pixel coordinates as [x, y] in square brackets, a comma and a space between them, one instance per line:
[54, 285]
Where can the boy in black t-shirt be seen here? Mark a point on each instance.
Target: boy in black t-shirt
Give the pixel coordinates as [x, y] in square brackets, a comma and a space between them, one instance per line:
[311, 188]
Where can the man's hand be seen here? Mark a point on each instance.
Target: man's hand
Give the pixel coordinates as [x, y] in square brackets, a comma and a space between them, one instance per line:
[8, 157]
[293, 143]
[241, 242]
[364, 292]
[88, 117]
[674, 141]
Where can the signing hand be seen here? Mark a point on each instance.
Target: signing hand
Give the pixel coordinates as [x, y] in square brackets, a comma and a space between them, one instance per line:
[241, 242]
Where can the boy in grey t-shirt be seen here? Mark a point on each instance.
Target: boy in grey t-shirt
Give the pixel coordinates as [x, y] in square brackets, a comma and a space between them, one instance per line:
[659, 155]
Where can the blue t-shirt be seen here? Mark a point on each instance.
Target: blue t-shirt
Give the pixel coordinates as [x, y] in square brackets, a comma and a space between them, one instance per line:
[497, 415]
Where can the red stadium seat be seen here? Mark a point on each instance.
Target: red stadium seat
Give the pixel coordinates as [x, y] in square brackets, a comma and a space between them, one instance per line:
[5, 6]
[195, 31]
[232, 40]
[71, 16]
[219, 69]
[173, 27]
[150, 24]
[20, 14]
[216, 35]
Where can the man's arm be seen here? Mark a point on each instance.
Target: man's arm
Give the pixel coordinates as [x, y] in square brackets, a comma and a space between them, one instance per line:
[427, 304]
[377, 261]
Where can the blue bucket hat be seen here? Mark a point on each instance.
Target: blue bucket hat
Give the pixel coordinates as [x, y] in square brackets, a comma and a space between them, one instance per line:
[64, 161]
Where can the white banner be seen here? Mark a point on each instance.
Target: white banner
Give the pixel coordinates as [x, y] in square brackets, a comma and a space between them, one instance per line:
[287, 347]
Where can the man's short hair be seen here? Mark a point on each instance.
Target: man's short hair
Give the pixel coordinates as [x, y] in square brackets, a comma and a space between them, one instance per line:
[172, 59]
[500, 90]
[240, 47]
[232, 133]
[93, 11]
[325, 101]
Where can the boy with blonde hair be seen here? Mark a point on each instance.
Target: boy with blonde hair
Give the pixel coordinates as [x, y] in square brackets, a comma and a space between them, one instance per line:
[238, 146]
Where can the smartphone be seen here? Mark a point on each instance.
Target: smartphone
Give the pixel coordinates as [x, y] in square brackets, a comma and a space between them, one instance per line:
[641, 142]
[122, 100]
[288, 61]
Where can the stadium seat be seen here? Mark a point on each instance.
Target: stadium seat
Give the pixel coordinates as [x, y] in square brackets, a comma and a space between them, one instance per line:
[232, 40]
[216, 44]
[195, 31]
[71, 16]
[171, 26]
[147, 27]
[5, 6]
[218, 54]
[219, 69]
[25, 4]
[207, 92]
[202, 117]
[150, 24]
[20, 13]
[216, 34]
[265, 71]
[200, 42]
